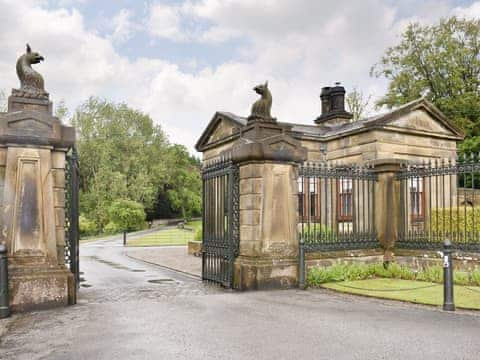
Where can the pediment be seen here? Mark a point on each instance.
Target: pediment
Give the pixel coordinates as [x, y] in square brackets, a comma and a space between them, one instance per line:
[282, 142]
[421, 120]
[223, 126]
[223, 129]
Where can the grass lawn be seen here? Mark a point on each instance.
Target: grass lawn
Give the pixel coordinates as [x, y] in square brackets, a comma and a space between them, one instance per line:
[172, 236]
[195, 225]
[96, 237]
[409, 290]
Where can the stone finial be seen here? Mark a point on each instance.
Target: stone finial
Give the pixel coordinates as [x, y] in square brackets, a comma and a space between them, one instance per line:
[262, 107]
[31, 82]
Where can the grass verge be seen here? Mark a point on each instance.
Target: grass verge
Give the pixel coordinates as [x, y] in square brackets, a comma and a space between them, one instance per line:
[419, 292]
[173, 236]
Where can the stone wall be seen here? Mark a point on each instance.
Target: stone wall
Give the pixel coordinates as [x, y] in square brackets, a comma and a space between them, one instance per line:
[380, 144]
[414, 259]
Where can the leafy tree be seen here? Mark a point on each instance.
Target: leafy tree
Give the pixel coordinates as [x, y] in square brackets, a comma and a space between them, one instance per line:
[127, 215]
[61, 111]
[124, 156]
[121, 157]
[184, 184]
[440, 62]
[357, 103]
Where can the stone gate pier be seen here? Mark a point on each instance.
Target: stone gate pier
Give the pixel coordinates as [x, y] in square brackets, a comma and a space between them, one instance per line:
[33, 146]
[268, 250]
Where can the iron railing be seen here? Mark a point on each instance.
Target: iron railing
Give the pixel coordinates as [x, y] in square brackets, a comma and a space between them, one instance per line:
[72, 234]
[440, 199]
[221, 228]
[336, 207]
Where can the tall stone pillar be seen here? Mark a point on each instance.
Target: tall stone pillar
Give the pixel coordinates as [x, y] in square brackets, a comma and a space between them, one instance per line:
[33, 145]
[268, 159]
[387, 204]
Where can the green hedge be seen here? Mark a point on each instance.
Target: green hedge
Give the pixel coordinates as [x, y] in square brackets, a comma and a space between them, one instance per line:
[458, 219]
[358, 271]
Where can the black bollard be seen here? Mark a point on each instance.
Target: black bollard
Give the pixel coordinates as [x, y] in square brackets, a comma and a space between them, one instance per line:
[124, 238]
[301, 265]
[448, 303]
[4, 301]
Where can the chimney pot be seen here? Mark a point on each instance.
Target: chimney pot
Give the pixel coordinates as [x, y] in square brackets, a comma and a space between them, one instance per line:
[333, 106]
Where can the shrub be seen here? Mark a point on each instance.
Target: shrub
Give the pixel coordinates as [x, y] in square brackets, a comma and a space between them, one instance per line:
[198, 235]
[379, 270]
[357, 272]
[475, 278]
[112, 228]
[337, 272]
[461, 278]
[86, 226]
[318, 275]
[458, 220]
[126, 215]
[431, 274]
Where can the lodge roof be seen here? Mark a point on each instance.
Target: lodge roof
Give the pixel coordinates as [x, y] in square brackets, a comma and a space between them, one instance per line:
[328, 132]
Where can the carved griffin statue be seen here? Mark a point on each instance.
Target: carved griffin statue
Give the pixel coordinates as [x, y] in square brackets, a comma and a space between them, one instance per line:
[262, 107]
[31, 82]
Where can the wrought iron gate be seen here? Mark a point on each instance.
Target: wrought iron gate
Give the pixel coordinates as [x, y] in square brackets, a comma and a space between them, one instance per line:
[71, 215]
[220, 221]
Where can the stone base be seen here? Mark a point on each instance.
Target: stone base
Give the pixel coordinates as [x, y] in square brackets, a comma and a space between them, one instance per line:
[34, 288]
[265, 273]
[194, 248]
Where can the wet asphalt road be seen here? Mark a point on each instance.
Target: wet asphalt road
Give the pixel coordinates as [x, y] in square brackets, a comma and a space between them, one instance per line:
[131, 310]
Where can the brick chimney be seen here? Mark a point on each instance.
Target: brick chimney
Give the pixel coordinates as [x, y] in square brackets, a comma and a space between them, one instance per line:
[333, 106]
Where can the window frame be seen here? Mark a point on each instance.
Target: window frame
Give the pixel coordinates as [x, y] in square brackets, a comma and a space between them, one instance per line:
[420, 216]
[340, 194]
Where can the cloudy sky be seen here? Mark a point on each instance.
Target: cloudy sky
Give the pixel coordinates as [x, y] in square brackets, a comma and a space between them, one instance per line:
[180, 61]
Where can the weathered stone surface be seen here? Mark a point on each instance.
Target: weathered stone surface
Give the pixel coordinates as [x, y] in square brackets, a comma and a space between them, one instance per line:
[250, 202]
[3, 156]
[58, 160]
[194, 247]
[59, 197]
[250, 233]
[60, 234]
[58, 178]
[59, 216]
[38, 288]
[251, 186]
[33, 143]
[265, 273]
[253, 170]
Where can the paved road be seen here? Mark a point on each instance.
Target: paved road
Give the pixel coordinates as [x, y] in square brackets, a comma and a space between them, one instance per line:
[131, 310]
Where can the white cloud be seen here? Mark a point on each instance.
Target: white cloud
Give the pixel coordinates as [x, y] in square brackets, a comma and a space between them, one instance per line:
[123, 26]
[299, 46]
[217, 34]
[471, 12]
[164, 22]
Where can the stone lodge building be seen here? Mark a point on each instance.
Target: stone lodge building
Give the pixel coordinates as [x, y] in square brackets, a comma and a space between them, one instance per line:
[274, 201]
[414, 131]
